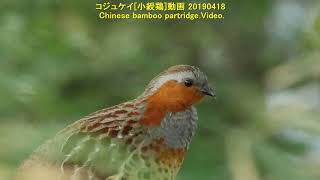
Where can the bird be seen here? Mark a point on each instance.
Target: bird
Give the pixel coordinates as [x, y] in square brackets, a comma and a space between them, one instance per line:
[146, 138]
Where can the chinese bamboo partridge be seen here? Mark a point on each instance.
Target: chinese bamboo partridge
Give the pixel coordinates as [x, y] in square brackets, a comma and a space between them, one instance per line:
[142, 139]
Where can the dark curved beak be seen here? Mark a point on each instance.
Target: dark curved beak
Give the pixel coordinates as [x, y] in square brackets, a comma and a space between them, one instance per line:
[208, 91]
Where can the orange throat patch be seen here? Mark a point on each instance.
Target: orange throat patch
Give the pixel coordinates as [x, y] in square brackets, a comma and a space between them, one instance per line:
[170, 97]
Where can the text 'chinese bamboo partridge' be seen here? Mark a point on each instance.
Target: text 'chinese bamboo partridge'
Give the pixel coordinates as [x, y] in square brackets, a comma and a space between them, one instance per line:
[142, 139]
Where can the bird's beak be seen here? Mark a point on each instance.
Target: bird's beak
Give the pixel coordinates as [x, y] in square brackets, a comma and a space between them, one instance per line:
[207, 91]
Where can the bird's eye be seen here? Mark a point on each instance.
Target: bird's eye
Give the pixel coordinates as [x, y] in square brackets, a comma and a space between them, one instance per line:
[188, 82]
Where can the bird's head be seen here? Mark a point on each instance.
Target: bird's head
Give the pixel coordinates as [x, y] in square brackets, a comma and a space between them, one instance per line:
[179, 87]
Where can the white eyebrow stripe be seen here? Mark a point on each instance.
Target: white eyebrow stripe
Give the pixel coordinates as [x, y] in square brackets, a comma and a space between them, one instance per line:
[178, 76]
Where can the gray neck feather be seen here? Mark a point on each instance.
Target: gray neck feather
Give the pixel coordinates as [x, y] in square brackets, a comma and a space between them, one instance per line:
[177, 129]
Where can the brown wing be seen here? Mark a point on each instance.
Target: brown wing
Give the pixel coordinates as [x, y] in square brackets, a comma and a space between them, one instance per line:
[92, 148]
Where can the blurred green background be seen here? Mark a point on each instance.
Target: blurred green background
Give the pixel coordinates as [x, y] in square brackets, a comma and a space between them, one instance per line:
[58, 63]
